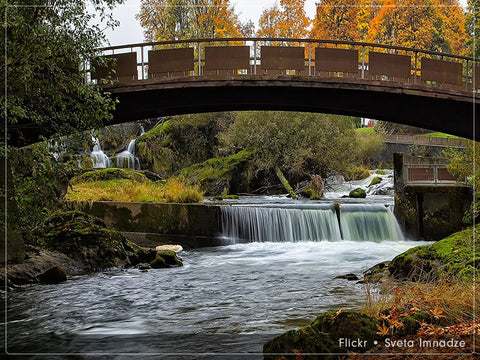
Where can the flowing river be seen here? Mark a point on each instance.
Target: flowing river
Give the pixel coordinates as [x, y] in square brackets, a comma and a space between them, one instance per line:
[276, 271]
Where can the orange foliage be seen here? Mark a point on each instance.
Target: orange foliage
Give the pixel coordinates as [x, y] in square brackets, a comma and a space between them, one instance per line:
[289, 20]
[337, 20]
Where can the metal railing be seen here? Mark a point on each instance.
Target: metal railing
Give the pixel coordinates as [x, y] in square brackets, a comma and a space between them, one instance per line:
[427, 174]
[449, 142]
[371, 61]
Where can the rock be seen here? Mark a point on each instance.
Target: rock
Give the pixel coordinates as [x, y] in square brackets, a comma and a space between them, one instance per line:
[175, 248]
[323, 334]
[165, 259]
[376, 272]
[144, 266]
[349, 277]
[54, 275]
[85, 238]
[376, 180]
[357, 193]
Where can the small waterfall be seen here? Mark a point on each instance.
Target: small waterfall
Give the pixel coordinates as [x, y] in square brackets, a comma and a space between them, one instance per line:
[276, 224]
[368, 222]
[127, 158]
[358, 222]
[99, 158]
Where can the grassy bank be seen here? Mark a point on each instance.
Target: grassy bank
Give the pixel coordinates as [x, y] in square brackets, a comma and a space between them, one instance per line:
[128, 185]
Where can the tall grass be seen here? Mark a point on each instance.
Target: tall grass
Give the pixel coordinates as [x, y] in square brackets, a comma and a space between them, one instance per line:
[172, 190]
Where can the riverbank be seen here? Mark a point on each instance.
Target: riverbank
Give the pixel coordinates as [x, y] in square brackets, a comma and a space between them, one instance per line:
[73, 243]
[424, 292]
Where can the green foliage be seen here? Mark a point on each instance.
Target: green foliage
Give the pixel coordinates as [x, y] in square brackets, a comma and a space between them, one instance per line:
[381, 172]
[46, 47]
[36, 185]
[356, 173]
[462, 164]
[299, 143]
[181, 141]
[473, 27]
[369, 144]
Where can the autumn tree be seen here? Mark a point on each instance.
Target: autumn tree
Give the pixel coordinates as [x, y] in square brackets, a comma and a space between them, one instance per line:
[287, 20]
[337, 20]
[190, 19]
[431, 25]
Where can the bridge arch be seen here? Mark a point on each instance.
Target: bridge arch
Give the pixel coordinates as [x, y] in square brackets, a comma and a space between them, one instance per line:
[396, 84]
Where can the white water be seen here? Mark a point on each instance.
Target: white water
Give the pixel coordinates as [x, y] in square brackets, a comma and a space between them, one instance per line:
[277, 223]
[99, 158]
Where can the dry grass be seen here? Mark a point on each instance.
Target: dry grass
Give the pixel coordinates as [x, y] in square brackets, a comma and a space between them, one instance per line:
[173, 190]
[454, 299]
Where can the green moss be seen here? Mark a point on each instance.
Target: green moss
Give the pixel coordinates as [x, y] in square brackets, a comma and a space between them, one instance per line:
[310, 194]
[357, 173]
[285, 183]
[216, 174]
[381, 172]
[376, 180]
[109, 174]
[323, 334]
[451, 257]
[357, 193]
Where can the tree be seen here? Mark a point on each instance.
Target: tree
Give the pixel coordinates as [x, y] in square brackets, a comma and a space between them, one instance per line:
[337, 20]
[46, 44]
[472, 24]
[189, 19]
[289, 20]
[435, 25]
[301, 144]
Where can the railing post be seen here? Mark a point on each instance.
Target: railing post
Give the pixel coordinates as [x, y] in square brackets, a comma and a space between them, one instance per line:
[143, 64]
[415, 70]
[255, 57]
[199, 60]
[309, 59]
[363, 62]
[466, 78]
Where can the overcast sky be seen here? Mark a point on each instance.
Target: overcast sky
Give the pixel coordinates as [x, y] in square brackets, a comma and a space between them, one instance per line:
[130, 31]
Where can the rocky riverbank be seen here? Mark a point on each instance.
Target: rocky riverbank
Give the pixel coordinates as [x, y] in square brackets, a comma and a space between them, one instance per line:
[73, 243]
[425, 291]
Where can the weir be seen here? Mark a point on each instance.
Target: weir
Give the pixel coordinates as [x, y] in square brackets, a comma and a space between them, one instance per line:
[355, 222]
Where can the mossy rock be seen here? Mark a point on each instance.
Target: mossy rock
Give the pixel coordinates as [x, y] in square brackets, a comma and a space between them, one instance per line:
[109, 174]
[84, 238]
[357, 193]
[165, 259]
[309, 193]
[217, 174]
[54, 275]
[376, 180]
[451, 257]
[381, 172]
[323, 335]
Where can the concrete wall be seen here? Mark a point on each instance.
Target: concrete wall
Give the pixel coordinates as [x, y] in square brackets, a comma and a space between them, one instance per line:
[429, 212]
[149, 224]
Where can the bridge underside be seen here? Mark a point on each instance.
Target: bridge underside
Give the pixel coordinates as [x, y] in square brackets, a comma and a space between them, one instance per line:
[409, 104]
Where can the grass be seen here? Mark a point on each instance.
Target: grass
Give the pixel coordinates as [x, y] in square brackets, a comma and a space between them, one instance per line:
[366, 130]
[128, 190]
[439, 135]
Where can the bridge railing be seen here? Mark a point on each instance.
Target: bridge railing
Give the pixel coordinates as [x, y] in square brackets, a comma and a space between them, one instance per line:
[284, 57]
[428, 174]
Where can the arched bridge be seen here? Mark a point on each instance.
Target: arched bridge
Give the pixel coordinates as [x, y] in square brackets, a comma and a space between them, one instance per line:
[401, 85]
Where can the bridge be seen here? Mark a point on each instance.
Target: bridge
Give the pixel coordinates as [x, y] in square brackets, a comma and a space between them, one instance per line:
[402, 85]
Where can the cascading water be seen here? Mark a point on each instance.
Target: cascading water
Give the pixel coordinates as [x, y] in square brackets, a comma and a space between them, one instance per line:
[368, 222]
[99, 158]
[261, 224]
[358, 222]
[127, 158]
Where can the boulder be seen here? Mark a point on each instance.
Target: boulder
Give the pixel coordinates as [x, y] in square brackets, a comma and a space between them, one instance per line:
[357, 193]
[54, 275]
[174, 248]
[165, 259]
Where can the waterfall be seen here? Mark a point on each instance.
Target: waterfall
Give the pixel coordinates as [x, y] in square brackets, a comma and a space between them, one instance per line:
[358, 222]
[99, 158]
[127, 158]
[260, 224]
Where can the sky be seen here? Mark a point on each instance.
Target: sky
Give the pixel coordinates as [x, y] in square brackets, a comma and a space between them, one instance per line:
[130, 31]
